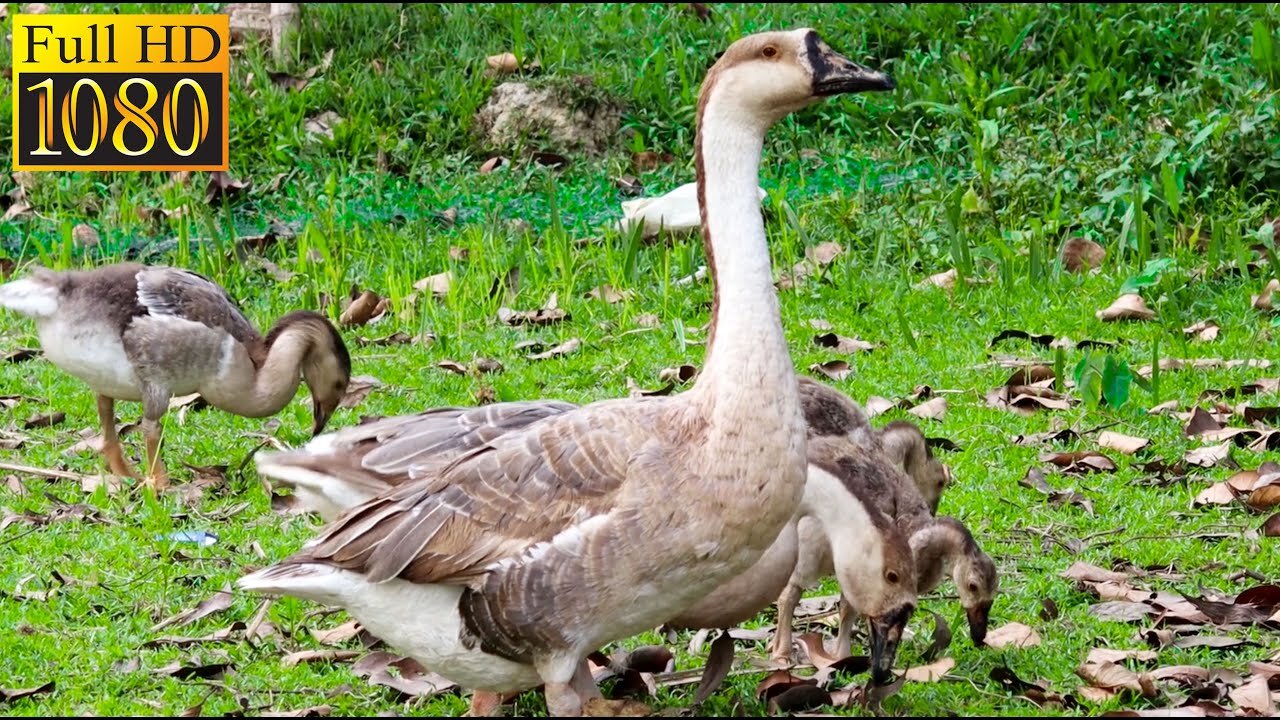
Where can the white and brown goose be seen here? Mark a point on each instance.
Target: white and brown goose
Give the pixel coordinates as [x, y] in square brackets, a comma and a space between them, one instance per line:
[148, 333]
[504, 569]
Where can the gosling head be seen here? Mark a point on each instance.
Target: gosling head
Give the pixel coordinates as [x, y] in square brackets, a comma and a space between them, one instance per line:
[770, 74]
[829, 413]
[976, 582]
[906, 446]
[326, 364]
[878, 579]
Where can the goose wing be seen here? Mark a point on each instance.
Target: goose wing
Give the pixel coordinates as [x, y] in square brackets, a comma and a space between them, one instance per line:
[497, 502]
[166, 291]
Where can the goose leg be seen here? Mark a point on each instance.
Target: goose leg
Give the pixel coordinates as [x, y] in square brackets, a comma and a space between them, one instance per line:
[154, 406]
[583, 684]
[557, 675]
[844, 636]
[111, 441]
[780, 653]
[485, 703]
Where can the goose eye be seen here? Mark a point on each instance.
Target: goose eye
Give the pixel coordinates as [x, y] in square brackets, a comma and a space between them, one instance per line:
[891, 576]
[973, 587]
[769, 51]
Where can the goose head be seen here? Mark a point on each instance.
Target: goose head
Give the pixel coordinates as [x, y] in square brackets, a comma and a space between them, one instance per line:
[326, 365]
[880, 585]
[770, 74]
[905, 444]
[976, 582]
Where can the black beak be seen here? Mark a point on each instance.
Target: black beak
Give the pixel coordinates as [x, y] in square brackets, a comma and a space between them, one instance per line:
[886, 633]
[321, 411]
[978, 617]
[834, 73]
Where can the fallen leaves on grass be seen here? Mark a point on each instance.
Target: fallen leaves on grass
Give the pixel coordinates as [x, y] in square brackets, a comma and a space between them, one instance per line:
[223, 187]
[833, 369]
[1263, 300]
[1209, 455]
[402, 674]
[1084, 461]
[11, 694]
[841, 344]
[719, 663]
[1115, 678]
[565, 348]
[934, 409]
[1036, 480]
[358, 388]
[1259, 487]
[1098, 656]
[216, 603]
[22, 355]
[1126, 307]
[322, 125]
[543, 316]
[610, 294]
[41, 420]
[945, 280]
[437, 284]
[319, 656]
[362, 308]
[183, 671]
[1013, 634]
[1029, 389]
[1126, 444]
[1271, 528]
[1080, 254]
[934, 671]
[1203, 331]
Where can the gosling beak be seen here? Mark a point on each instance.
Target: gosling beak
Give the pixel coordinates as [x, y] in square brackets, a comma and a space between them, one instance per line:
[886, 633]
[978, 616]
[322, 411]
[834, 73]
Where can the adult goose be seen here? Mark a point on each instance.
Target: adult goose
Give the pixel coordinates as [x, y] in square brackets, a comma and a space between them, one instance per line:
[135, 332]
[504, 569]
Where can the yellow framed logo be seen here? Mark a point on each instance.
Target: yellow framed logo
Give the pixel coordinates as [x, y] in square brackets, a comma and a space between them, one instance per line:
[120, 92]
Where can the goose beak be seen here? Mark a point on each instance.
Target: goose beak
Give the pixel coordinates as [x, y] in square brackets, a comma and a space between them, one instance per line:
[321, 411]
[978, 617]
[886, 633]
[834, 74]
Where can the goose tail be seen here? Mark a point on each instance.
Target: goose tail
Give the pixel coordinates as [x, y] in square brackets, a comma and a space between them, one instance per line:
[29, 297]
[317, 488]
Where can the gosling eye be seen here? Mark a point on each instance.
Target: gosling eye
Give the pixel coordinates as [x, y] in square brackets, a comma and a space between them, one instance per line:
[973, 587]
[769, 51]
[891, 576]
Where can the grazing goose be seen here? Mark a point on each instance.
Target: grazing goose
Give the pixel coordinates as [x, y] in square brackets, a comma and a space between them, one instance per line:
[906, 446]
[133, 332]
[946, 548]
[505, 568]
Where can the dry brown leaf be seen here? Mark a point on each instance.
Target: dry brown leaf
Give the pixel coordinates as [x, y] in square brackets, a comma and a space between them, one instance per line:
[1107, 655]
[842, 344]
[934, 671]
[322, 656]
[358, 388]
[403, 674]
[1013, 634]
[1209, 455]
[90, 483]
[824, 253]
[313, 711]
[834, 369]
[322, 125]
[569, 346]
[877, 405]
[1113, 677]
[945, 280]
[610, 294]
[1126, 307]
[1188, 675]
[503, 63]
[934, 409]
[1271, 528]
[83, 235]
[44, 420]
[1083, 461]
[11, 694]
[1126, 444]
[362, 309]
[216, 603]
[543, 316]
[1201, 422]
[438, 284]
[1084, 572]
[1264, 300]
[1121, 611]
[222, 186]
[1225, 492]
[1254, 696]
[1203, 331]
[492, 164]
[1079, 253]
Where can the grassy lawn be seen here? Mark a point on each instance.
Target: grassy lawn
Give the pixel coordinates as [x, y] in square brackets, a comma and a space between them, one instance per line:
[1149, 129]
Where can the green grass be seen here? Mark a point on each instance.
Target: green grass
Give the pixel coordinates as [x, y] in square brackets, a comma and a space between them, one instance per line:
[1013, 127]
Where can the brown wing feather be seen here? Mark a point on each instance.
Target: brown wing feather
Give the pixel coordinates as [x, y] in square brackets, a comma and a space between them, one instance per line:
[182, 293]
[493, 503]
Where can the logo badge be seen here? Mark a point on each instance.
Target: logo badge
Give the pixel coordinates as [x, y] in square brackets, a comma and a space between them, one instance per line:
[120, 92]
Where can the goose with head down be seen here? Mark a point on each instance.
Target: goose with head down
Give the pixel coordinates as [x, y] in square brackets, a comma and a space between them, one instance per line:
[148, 333]
[506, 567]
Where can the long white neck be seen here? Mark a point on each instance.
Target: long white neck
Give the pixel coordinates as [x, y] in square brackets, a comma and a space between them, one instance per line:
[276, 381]
[748, 366]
